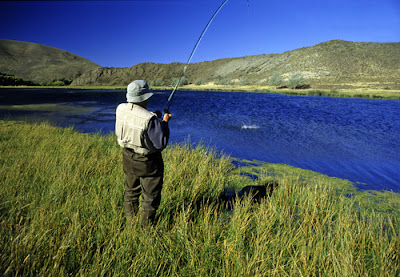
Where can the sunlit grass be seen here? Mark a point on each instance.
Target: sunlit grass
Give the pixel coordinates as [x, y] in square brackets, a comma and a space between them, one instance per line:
[61, 204]
[59, 107]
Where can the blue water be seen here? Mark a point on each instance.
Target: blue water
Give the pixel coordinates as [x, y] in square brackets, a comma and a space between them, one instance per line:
[355, 139]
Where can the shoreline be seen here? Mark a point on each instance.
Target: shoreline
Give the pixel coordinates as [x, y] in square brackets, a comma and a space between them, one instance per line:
[249, 167]
[340, 93]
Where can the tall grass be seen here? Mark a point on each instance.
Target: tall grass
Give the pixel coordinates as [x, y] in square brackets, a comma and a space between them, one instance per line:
[61, 204]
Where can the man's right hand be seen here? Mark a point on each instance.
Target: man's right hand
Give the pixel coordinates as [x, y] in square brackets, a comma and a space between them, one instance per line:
[167, 116]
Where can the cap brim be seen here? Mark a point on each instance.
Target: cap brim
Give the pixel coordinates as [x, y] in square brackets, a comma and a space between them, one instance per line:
[147, 96]
[140, 98]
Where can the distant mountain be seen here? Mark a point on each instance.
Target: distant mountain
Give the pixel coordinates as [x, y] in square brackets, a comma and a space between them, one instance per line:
[40, 63]
[330, 64]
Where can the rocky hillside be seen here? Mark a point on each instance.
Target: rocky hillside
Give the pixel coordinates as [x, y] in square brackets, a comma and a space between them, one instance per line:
[330, 64]
[40, 63]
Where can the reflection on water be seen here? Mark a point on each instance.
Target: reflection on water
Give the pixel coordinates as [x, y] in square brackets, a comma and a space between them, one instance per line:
[355, 139]
[245, 126]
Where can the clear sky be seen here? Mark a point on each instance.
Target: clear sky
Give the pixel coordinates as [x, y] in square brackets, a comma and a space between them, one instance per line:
[125, 33]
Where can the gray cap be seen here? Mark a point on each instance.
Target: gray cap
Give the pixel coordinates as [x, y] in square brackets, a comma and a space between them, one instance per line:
[138, 92]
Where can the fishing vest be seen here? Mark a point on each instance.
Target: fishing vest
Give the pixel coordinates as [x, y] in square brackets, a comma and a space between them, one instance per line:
[131, 126]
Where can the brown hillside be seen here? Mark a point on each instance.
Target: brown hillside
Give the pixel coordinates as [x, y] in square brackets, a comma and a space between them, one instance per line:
[37, 62]
[330, 64]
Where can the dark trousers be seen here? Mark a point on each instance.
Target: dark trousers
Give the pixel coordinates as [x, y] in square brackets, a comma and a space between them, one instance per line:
[143, 176]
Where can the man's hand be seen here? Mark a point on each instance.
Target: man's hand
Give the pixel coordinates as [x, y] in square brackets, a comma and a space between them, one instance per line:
[167, 116]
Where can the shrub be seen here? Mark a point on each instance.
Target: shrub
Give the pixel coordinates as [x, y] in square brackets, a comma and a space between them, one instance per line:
[181, 82]
[244, 81]
[223, 81]
[57, 82]
[200, 81]
[11, 80]
[296, 79]
[275, 80]
[157, 83]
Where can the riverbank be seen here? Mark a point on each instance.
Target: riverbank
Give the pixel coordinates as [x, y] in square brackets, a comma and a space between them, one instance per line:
[62, 214]
[347, 93]
[353, 93]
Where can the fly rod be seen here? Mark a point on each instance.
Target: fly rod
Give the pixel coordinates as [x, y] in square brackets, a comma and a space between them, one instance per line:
[193, 51]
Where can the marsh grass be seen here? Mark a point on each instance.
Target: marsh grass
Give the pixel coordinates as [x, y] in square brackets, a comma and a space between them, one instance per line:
[61, 204]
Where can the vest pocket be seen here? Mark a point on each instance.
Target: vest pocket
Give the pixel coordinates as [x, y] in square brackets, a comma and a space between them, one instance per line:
[128, 134]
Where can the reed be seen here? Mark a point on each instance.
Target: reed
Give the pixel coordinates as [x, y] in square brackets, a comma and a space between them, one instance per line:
[61, 204]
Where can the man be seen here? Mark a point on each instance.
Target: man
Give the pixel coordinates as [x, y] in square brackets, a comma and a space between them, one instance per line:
[143, 135]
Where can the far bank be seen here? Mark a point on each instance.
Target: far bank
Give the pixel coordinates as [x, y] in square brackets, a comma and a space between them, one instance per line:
[342, 93]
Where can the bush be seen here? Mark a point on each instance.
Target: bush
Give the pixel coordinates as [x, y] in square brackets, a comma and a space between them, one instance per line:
[296, 79]
[157, 83]
[223, 81]
[11, 80]
[57, 82]
[200, 81]
[181, 82]
[275, 80]
[244, 81]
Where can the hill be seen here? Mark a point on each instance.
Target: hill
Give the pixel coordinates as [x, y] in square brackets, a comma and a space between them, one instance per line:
[331, 64]
[40, 63]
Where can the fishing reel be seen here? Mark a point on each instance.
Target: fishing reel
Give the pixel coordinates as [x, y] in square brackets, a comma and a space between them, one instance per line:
[159, 114]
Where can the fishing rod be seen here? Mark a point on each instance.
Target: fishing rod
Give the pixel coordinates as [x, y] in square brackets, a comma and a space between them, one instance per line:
[193, 51]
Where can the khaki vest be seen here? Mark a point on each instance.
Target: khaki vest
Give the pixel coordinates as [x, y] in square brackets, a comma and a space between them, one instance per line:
[131, 126]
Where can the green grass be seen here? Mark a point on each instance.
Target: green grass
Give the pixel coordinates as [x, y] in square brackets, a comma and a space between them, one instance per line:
[61, 214]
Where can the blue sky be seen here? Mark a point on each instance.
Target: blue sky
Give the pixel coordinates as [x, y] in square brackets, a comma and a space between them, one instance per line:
[125, 33]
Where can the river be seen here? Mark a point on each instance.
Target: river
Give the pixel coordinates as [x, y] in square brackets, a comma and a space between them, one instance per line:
[354, 139]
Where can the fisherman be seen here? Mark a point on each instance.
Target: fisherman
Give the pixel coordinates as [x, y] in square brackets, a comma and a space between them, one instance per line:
[143, 135]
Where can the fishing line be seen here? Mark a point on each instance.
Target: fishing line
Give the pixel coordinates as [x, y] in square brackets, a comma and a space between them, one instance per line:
[194, 50]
